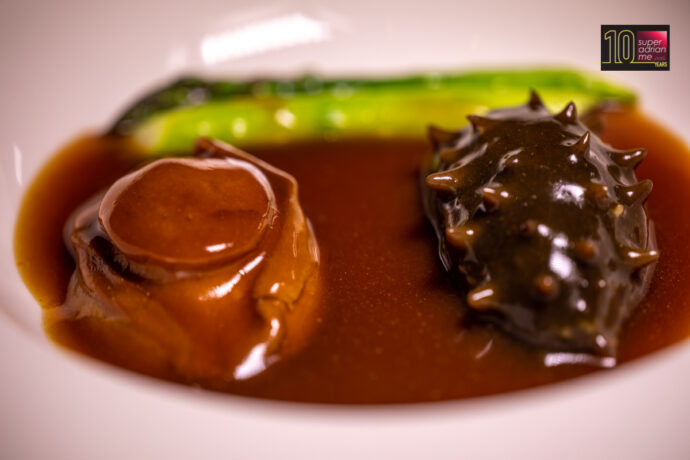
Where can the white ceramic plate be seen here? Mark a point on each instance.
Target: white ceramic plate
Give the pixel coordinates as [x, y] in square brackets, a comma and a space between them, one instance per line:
[71, 66]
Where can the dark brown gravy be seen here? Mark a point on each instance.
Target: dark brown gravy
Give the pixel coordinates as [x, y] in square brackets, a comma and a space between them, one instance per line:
[393, 330]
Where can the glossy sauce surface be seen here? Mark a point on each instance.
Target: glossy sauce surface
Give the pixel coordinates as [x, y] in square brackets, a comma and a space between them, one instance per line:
[393, 329]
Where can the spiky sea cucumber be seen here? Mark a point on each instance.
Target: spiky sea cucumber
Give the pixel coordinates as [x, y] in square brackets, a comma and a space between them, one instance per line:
[542, 225]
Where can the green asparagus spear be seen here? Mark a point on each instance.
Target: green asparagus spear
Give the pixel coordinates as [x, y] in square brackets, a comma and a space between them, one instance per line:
[278, 111]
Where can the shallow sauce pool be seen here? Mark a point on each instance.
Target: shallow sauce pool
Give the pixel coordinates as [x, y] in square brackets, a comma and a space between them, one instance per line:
[392, 328]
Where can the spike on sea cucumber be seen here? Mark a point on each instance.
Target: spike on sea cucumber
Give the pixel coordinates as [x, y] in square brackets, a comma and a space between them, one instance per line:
[490, 198]
[459, 237]
[634, 194]
[546, 287]
[585, 250]
[628, 158]
[440, 137]
[638, 258]
[598, 194]
[482, 124]
[568, 115]
[444, 181]
[535, 102]
[483, 297]
[581, 146]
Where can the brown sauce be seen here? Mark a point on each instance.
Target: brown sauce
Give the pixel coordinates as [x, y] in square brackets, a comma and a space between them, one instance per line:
[393, 329]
